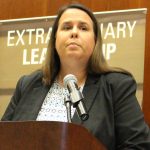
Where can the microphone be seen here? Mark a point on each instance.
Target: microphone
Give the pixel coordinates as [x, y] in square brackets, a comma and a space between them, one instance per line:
[70, 82]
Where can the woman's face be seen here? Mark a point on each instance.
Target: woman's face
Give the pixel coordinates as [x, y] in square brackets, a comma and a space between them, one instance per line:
[75, 39]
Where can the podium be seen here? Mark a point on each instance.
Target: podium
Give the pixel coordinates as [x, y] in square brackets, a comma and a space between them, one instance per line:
[46, 135]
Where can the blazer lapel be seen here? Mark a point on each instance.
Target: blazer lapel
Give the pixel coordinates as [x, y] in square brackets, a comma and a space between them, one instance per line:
[39, 95]
[31, 103]
[89, 92]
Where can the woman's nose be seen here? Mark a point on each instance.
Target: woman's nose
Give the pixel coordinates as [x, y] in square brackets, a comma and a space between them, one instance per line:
[74, 33]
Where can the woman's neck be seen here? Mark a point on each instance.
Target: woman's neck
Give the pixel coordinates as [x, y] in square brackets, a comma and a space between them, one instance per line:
[80, 74]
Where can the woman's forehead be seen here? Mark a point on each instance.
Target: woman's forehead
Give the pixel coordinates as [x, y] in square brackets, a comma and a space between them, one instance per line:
[74, 14]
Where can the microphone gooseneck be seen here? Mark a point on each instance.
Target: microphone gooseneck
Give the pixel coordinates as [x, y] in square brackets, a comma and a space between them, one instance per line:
[77, 99]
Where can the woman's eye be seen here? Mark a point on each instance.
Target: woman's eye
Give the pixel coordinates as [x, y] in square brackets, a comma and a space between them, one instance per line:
[66, 27]
[83, 28]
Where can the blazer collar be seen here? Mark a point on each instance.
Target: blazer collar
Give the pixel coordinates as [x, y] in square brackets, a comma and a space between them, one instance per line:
[89, 92]
[34, 99]
[40, 93]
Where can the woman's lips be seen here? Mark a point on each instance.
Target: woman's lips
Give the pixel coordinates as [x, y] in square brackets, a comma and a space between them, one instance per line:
[73, 45]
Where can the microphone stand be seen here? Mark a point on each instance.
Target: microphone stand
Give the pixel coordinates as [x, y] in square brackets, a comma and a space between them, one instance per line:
[67, 103]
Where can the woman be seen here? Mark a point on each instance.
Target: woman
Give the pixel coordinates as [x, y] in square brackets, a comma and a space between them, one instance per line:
[115, 118]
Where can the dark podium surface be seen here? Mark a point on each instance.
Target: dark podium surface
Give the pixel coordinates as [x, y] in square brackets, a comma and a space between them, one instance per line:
[46, 135]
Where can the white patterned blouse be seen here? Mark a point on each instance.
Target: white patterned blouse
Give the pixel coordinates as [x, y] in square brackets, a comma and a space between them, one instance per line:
[53, 107]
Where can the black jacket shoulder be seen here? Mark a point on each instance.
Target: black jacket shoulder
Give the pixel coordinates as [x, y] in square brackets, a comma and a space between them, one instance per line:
[30, 80]
[116, 78]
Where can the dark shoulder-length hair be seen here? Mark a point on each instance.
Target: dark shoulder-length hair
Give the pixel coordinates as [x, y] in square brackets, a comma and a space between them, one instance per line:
[97, 63]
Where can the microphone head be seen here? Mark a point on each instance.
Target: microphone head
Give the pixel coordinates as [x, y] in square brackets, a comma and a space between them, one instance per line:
[68, 78]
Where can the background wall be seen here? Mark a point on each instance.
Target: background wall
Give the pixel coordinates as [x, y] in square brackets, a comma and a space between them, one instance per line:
[12, 9]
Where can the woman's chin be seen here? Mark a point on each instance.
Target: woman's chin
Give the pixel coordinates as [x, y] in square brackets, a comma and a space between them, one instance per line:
[74, 54]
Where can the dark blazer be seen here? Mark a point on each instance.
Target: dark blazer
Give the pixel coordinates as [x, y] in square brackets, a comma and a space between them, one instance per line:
[115, 117]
